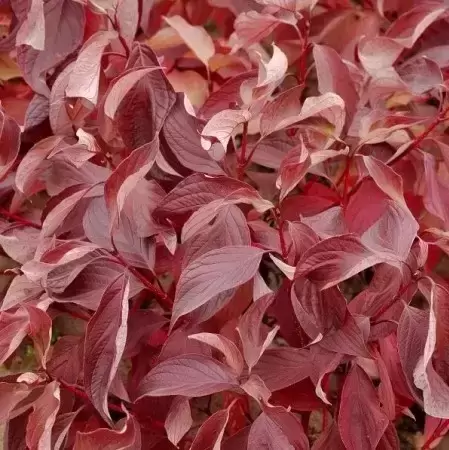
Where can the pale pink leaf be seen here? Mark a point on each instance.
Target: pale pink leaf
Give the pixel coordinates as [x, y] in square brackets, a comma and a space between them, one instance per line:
[85, 77]
[32, 30]
[222, 126]
[272, 72]
[196, 38]
[179, 419]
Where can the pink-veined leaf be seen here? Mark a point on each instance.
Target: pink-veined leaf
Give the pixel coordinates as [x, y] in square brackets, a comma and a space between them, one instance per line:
[105, 342]
[283, 106]
[272, 72]
[189, 375]
[361, 420]
[212, 273]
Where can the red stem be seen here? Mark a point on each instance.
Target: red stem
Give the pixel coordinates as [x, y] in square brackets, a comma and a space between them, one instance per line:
[163, 299]
[436, 434]
[77, 314]
[81, 394]
[418, 139]
[19, 219]
[242, 158]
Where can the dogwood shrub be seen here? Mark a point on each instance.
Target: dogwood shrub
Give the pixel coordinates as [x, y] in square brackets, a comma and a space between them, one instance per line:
[224, 224]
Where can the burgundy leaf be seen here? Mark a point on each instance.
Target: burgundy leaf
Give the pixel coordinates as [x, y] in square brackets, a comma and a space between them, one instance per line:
[198, 190]
[64, 25]
[333, 76]
[335, 259]
[254, 338]
[211, 432]
[361, 421]
[183, 140]
[212, 273]
[43, 416]
[105, 342]
[125, 435]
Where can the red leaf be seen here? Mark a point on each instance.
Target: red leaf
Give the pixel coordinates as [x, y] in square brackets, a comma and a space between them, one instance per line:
[183, 140]
[334, 76]
[212, 273]
[198, 190]
[105, 342]
[255, 339]
[277, 428]
[40, 330]
[211, 432]
[9, 143]
[125, 435]
[189, 375]
[125, 178]
[335, 259]
[361, 421]
[293, 169]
